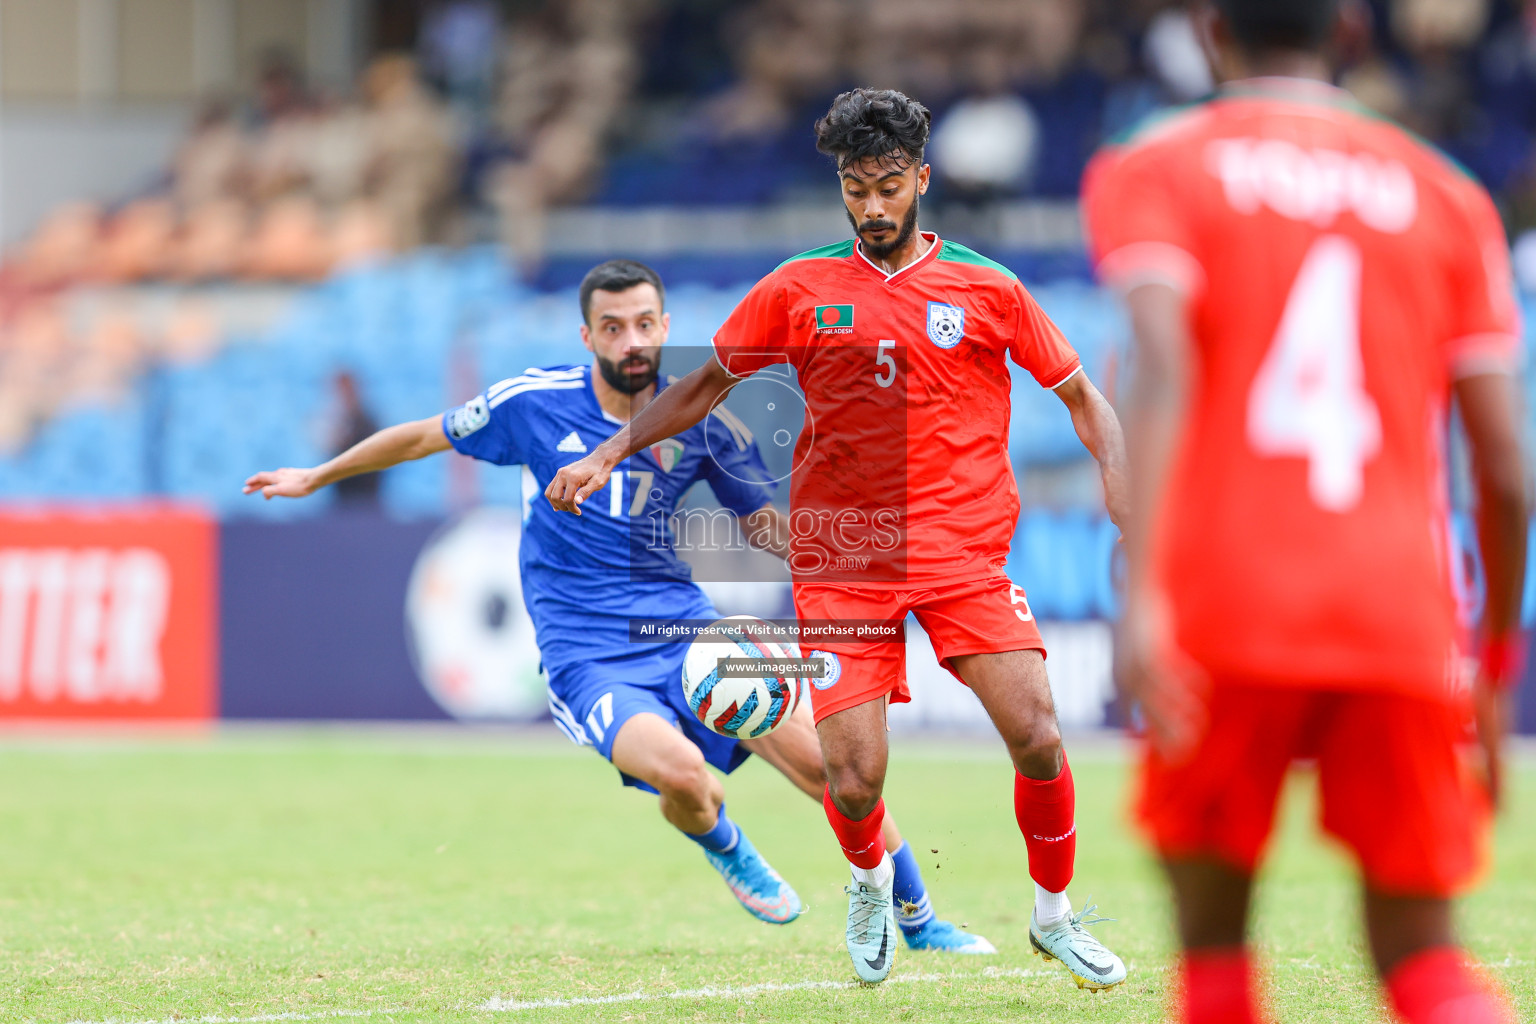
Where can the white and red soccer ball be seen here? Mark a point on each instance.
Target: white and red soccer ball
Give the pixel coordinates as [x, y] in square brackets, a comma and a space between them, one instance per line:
[741, 707]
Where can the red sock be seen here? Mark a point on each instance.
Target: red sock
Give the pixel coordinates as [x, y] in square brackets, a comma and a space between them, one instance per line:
[862, 841]
[1045, 812]
[1436, 986]
[1217, 987]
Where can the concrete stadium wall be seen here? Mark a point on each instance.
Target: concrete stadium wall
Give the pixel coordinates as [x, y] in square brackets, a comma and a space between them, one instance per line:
[51, 154]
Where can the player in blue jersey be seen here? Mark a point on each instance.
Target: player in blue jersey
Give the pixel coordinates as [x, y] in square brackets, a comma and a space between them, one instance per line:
[585, 578]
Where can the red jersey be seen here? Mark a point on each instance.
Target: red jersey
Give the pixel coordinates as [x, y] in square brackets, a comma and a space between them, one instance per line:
[901, 472]
[1339, 276]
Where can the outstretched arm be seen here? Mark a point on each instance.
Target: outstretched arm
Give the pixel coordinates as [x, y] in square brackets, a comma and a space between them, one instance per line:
[677, 408]
[1099, 430]
[389, 447]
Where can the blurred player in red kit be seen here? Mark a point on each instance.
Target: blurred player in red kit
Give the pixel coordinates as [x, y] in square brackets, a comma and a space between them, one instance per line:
[904, 500]
[1310, 288]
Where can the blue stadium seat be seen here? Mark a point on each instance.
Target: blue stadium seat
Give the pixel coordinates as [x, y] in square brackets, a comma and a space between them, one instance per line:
[89, 454]
[427, 331]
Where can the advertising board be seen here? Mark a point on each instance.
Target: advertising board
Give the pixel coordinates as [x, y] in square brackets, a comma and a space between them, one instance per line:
[108, 614]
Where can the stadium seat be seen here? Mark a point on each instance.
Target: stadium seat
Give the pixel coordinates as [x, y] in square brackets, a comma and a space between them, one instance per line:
[429, 330]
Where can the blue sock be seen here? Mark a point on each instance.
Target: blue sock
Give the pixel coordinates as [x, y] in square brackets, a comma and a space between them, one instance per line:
[720, 839]
[913, 910]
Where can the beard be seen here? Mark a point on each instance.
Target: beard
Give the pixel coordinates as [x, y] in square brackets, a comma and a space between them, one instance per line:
[880, 250]
[621, 380]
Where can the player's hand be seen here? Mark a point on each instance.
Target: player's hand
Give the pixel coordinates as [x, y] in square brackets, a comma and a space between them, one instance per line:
[576, 482]
[282, 483]
[1151, 672]
[1490, 710]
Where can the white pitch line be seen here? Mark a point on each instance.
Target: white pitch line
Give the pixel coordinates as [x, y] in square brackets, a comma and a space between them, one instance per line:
[265, 1018]
[499, 1005]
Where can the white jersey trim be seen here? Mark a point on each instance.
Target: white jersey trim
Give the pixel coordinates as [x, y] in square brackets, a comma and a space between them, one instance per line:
[565, 719]
[1476, 355]
[933, 243]
[536, 385]
[1142, 263]
[739, 430]
[1068, 377]
[532, 375]
[714, 343]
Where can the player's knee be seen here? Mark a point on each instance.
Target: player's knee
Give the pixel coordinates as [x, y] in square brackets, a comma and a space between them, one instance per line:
[1036, 750]
[855, 788]
[683, 775]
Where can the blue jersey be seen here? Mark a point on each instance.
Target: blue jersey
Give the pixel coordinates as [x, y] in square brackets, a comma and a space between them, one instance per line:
[585, 577]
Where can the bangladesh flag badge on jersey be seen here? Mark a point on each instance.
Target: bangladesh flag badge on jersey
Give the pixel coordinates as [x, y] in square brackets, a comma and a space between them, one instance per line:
[834, 319]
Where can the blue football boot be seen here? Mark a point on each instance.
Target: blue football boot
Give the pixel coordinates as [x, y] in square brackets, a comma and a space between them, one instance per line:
[943, 936]
[766, 896]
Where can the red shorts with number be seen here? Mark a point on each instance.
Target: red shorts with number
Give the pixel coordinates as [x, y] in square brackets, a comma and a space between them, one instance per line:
[1395, 786]
[978, 617]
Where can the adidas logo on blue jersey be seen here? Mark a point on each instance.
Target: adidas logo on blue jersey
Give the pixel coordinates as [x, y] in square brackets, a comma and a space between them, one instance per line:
[570, 443]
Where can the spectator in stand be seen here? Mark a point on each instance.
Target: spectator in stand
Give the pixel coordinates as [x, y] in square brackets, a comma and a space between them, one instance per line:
[786, 51]
[107, 360]
[213, 164]
[1437, 34]
[985, 145]
[62, 248]
[1174, 54]
[336, 165]
[411, 152]
[460, 47]
[137, 243]
[353, 424]
[570, 72]
[913, 46]
[33, 359]
[284, 129]
[312, 183]
[212, 241]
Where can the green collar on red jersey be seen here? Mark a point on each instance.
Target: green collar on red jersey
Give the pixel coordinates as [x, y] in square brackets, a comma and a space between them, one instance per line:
[835, 251]
[954, 252]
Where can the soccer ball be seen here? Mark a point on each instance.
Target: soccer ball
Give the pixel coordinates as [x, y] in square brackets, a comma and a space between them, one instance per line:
[741, 707]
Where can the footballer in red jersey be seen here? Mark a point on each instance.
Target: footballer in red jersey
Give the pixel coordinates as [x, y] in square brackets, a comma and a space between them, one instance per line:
[903, 499]
[1310, 288]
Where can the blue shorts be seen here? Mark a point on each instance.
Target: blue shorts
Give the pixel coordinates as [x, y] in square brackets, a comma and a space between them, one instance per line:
[591, 701]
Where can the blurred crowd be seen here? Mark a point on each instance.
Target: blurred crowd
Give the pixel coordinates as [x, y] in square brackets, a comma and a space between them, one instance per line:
[287, 188]
[295, 186]
[503, 109]
[497, 111]
[1023, 91]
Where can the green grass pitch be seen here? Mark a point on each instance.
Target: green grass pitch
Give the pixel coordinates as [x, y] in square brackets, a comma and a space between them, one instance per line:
[435, 876]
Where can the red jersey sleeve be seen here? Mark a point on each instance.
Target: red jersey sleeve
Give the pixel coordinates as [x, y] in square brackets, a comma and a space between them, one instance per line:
[1039, 346]
[1485, 325]
[1138, 226]
[756, 334]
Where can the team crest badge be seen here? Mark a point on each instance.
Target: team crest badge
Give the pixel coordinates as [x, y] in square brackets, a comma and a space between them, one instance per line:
[831, 674]
[666, 453]
[468, 418]
[946, 324]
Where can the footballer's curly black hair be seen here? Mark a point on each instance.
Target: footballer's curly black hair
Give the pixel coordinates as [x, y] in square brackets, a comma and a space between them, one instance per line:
[1261, 25]
[617, 276]
[882, 124]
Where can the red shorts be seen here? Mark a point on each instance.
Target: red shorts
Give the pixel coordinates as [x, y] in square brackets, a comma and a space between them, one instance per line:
[1394, 785]
[985, 616]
